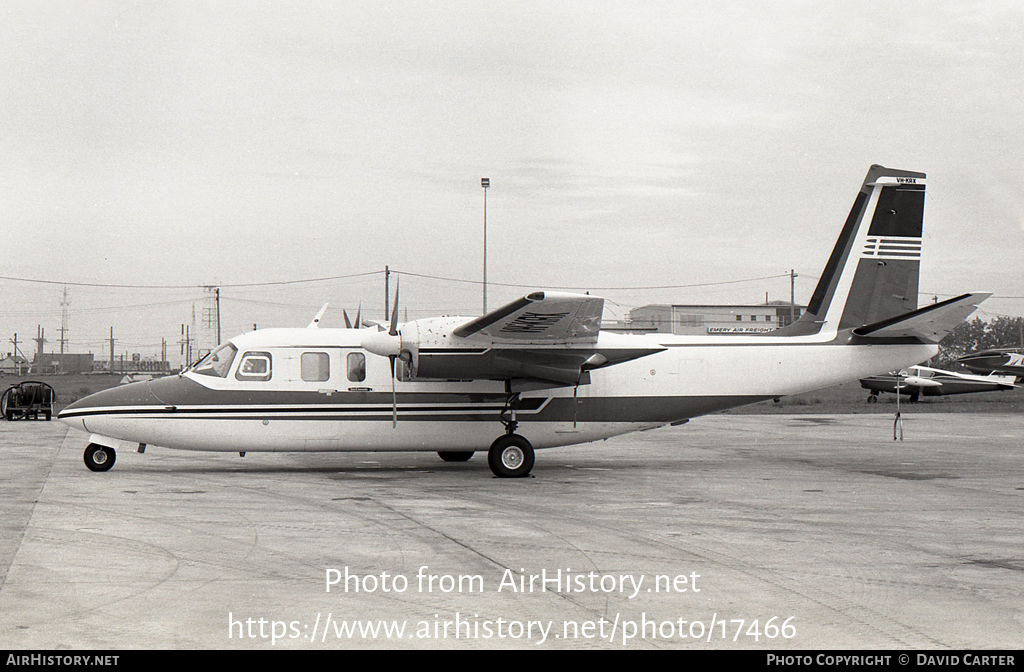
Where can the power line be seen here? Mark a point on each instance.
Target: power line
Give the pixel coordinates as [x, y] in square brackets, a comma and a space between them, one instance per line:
[90, 311]
[372, 273]
[426, 276]
[201, 286]
[582, 288]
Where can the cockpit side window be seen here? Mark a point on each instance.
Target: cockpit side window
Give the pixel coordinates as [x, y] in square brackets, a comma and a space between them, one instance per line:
[217, 363]
[255, 366]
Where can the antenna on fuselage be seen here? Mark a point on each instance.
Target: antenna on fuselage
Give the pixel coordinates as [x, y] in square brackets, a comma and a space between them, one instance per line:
[315, 324]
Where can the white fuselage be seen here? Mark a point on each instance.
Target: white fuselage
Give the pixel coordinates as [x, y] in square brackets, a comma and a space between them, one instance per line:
[336, 411]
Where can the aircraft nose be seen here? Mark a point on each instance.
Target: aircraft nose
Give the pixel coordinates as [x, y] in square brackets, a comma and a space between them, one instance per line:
[108, 401]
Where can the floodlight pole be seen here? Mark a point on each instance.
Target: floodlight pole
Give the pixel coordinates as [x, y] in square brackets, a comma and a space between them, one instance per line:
[216, 291]
[485, 183]
[792, 295]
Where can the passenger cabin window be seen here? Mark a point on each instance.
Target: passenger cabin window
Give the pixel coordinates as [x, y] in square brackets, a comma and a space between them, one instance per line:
[356, 367]
[217, 363]
[316, 367]
[254, 366]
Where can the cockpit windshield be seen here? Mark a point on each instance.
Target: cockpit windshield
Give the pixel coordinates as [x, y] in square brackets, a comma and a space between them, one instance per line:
[217, 363]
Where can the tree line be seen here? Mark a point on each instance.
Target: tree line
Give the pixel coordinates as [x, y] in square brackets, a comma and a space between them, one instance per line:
[976, 335]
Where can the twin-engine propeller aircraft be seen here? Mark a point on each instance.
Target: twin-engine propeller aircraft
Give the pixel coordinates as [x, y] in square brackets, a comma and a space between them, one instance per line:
[1005, 361]
[538, 372]
[918, 381]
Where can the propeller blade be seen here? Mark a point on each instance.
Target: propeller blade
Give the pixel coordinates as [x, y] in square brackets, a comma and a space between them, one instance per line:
[394, 313]
[348, 324]
[359, 316]
[394, 396]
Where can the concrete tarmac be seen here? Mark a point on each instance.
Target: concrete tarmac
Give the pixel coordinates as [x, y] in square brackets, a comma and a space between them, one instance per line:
[731, 532]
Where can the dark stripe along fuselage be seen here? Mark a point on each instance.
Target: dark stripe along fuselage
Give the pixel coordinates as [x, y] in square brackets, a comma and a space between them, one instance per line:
[183, 398]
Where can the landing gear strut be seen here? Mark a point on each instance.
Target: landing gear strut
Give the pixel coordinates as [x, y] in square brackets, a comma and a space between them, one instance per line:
[511, 406]
[511, 455]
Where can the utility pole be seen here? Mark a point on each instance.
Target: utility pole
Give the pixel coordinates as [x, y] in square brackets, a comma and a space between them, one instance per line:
[217, 292]
[211, 320]
[64, 303]
[186, 346]
[485, 182]
[792, 296]
[17, 362]
[111, 350]
[40, 340]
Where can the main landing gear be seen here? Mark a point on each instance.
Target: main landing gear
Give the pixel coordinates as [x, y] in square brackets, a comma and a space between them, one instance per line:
[511, 455]
[99, 458]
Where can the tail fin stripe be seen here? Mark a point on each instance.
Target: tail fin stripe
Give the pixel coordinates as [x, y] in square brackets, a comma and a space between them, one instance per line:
[838, 254]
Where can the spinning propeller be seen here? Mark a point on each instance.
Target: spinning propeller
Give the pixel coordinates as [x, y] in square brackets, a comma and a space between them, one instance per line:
[389, 344]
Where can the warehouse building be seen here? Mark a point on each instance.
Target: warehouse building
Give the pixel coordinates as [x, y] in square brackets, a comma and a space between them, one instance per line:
[13, 365]
[52, 362]
[712, 319]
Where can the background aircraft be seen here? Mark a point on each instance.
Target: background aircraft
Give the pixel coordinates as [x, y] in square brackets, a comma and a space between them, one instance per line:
[918, 381]
[1008, 361]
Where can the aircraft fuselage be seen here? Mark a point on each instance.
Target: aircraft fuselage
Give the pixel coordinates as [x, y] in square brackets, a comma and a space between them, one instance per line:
[323, 392]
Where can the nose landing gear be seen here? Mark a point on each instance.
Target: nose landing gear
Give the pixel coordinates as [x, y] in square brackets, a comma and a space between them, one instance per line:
[99, 458]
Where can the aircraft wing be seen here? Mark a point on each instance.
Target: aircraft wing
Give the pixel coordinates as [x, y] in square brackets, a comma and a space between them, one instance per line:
[930, 323]
[993, 379]
[540, 340]
[540, 318]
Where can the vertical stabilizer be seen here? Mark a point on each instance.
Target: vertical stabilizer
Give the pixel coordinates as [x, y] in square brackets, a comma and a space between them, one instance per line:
[873, 272]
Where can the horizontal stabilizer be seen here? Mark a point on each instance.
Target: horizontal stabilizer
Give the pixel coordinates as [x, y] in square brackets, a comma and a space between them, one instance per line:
[930, 323]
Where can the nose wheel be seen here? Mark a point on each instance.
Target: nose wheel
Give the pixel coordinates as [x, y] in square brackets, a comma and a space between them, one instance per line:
[510, 456]
[99, 458]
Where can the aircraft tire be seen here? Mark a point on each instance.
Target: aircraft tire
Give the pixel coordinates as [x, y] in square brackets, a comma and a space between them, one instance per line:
[455, 455]
[511, 456]
[99, 458]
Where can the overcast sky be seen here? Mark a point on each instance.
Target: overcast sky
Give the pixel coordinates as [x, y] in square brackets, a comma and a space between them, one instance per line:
[629, 145]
